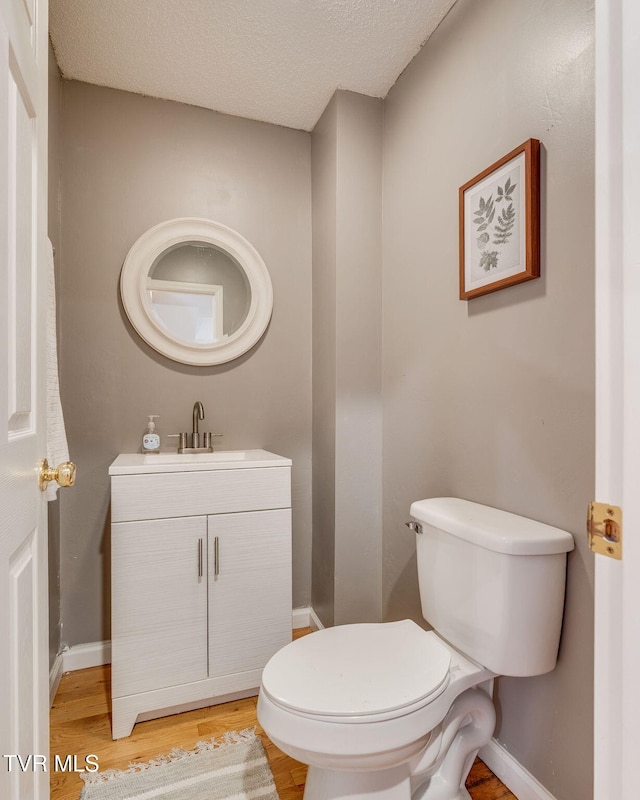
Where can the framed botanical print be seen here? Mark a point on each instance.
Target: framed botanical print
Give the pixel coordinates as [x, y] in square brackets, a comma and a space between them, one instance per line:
[500, 223]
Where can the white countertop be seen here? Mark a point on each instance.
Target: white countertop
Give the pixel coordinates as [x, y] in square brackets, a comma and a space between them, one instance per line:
[140, 463]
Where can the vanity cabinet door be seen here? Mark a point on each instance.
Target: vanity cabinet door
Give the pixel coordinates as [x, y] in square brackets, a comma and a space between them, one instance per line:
[249, 589]
[159, 603]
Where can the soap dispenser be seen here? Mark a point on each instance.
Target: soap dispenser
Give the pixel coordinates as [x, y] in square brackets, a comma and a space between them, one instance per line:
[151, 438]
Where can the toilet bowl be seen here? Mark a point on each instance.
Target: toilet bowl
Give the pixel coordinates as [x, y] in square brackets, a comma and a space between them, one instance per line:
[381, 725]
[363, 705]
[391, 711]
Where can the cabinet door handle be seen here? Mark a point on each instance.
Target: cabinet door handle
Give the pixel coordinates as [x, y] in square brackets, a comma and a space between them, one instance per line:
[199, 559]
[216, 556]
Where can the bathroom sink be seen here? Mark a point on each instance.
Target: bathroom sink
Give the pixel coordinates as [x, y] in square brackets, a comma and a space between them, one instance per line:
[134, 463]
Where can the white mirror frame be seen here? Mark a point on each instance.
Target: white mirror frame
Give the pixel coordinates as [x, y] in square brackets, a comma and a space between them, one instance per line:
[133, 289]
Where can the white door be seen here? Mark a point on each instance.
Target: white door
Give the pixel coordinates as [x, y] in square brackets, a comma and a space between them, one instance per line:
[617, 594]
[23, 535]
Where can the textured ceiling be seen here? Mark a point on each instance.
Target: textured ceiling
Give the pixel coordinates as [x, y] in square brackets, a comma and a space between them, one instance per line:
[277, 61]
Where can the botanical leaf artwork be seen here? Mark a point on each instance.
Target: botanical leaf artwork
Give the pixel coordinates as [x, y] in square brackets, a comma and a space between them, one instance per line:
[499, 218]
[492, 230]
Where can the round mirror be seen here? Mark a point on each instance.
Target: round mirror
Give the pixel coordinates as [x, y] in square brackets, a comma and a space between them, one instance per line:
[196, 291]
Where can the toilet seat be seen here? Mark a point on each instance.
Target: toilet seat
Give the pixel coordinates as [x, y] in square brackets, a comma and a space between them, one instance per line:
[358, 673]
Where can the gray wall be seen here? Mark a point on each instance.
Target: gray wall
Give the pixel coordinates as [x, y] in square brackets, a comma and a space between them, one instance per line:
[129, 162]
[54, 231]
[324, 187]
[490, 400]
[493, 399]
[347, 380]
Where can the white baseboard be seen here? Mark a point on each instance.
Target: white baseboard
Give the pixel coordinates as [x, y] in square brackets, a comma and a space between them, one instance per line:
[300, 618]
[55, 674]
[514, 776]
[83, 656]
[306, 618]
[315, 622]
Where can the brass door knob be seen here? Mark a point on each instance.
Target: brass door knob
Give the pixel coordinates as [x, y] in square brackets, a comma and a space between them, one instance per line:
[64, 474]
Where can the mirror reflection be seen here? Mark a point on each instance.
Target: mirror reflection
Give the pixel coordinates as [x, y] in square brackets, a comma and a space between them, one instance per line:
[197, 293]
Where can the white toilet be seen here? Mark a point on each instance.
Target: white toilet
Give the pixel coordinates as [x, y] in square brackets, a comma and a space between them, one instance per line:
[395, 712]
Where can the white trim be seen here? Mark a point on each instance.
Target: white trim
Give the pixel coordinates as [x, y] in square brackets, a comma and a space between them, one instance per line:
[83, 656]
[306, 617]
[617, 589]
[314, 621]
[514, 776]
[300, 618]
[55, 675]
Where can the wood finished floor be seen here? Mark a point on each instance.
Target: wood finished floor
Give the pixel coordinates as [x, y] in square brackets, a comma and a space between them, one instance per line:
[81, 725]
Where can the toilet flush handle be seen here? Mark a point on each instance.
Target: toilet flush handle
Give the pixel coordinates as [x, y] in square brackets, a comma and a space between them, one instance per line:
[416, 527]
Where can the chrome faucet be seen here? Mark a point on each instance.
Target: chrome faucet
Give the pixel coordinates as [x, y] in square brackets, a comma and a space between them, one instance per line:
[195, 442]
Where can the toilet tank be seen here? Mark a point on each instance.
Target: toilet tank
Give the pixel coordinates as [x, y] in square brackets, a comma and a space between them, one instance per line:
[492, 583]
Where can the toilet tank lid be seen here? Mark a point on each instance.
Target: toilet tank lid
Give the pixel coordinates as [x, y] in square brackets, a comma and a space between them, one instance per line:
[491, 528]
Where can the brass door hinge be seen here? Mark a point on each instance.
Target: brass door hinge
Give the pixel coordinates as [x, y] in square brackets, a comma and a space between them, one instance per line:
[604, 526]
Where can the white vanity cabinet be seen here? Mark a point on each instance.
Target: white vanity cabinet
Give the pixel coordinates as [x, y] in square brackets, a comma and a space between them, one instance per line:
[158, 604]
[200, 579]
[249, 587]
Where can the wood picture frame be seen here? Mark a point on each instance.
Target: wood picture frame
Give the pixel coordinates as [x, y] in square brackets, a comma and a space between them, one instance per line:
[500, 223]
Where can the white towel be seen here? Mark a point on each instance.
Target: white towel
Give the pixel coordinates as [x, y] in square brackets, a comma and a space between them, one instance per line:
[57, 447]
